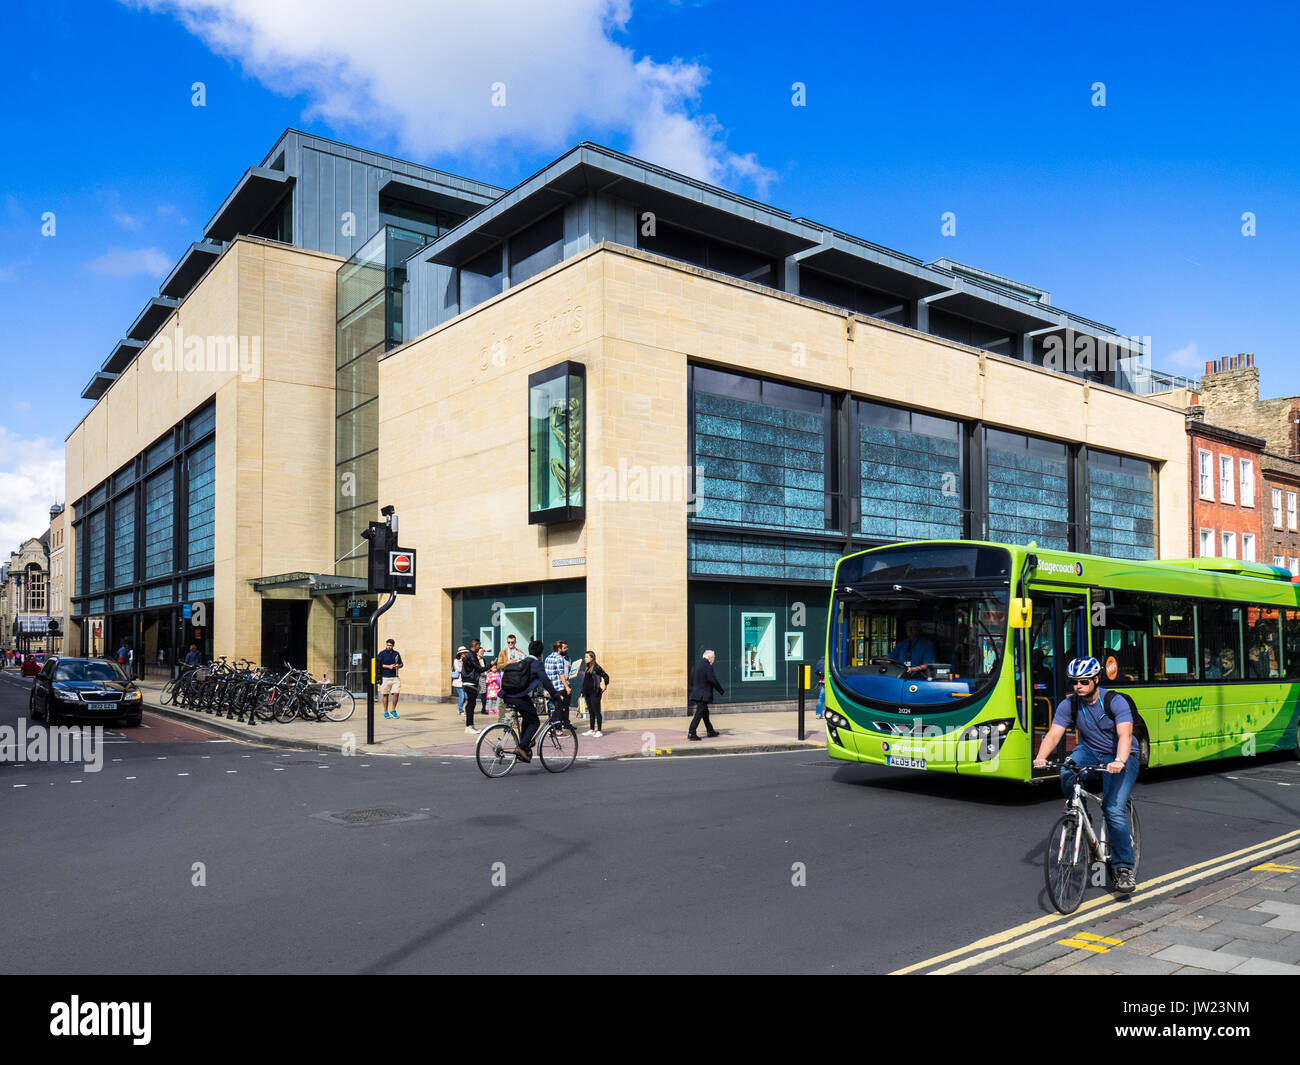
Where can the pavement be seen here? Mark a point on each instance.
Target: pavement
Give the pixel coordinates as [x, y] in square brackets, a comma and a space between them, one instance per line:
[435, 730]
[1246, 923]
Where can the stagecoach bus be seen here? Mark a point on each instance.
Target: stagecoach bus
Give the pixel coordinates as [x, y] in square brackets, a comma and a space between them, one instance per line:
[951, 655]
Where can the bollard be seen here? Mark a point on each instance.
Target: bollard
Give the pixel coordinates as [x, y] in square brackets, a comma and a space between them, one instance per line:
[803, 687]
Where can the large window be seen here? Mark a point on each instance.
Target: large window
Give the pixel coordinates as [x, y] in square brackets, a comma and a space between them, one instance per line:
[158, 517]
[201, 480]
[1144, 638]
[869, 301]
[556, 422]
[910, 474]
[1220, 640]
[1028, 490]
[1206, 471]
[1121, 505]
[760, 453]
[1290, 511]
[1277, 508]
[124, 540]
[1247, 482]
[1225, 479]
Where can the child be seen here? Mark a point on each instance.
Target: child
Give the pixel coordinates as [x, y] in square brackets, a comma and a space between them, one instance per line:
[493, 688]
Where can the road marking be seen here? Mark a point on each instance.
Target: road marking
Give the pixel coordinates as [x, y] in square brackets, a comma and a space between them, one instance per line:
[182, 774]
[1041, 927]
[20, 785]
[277, 769]
[232, 770]
[130, 778]
[1273, 867]
[1096, 948]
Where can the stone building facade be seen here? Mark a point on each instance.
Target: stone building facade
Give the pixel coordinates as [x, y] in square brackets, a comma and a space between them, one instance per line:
[25, 622]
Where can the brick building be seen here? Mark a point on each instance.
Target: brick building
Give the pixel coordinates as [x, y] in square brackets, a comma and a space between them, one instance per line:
[1223, 493]
[1229, 395]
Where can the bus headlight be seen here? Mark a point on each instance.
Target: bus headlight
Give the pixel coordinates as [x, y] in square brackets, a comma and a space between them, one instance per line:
[990, 735]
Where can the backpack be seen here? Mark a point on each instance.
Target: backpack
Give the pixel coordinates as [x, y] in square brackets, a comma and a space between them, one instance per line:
[515, 677]
[1139, 726]
[469, 670]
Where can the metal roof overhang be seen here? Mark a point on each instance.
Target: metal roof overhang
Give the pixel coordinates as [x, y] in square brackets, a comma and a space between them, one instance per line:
[258, 191]
[120, 357]
[155, 312]
[193, 265]
[867, 266]
[303, 585]
[995, 309]
[673, 200]
[429, 194]
[98, 385]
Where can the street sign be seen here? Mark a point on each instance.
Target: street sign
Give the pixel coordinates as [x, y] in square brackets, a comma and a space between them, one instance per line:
[185, 611]
[401, 571]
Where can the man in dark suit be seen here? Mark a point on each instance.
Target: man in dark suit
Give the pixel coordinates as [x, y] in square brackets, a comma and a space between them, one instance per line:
[704, 682]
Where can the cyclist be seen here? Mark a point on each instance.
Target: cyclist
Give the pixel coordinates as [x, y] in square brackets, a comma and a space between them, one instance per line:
[1105, 736]
[522, 702]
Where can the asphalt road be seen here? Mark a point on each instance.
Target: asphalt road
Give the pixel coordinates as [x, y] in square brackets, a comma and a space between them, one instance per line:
[191, 854]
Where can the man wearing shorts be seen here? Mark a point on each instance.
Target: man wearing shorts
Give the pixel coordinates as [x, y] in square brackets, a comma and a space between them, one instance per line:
[389, 663]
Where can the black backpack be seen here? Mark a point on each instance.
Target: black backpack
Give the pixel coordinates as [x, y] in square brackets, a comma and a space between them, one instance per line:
[515, 677]
[1139, 726]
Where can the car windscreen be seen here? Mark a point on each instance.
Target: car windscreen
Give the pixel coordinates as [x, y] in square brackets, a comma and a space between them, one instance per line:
[88, 671]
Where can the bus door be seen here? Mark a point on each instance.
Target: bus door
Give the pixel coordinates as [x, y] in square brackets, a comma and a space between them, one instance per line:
[1058, 634]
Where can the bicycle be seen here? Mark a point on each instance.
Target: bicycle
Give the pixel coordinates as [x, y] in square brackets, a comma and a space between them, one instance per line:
[556, 744]
[1074, 844]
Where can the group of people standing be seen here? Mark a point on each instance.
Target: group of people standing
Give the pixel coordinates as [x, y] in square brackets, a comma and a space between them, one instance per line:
[478, 677]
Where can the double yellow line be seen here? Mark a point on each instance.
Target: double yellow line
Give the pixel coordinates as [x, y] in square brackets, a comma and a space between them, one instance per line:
[1031, 932]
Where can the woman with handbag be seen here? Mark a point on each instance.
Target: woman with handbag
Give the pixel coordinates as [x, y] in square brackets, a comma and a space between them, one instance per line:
[594, 682]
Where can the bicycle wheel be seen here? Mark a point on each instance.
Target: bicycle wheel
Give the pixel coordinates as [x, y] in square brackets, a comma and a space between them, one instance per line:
[286, 707]
[558, 746]
[337, 703]
[1135, 830]
[264, 703]
[1066, 863]
[168, 692]
[495, 752]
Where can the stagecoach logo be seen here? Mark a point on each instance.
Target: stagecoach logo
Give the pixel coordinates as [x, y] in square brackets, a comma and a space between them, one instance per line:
[884, 745]
[1061, 567]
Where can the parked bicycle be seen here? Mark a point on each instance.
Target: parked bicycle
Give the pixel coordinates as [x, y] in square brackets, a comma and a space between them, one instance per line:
[1074, 844]
[556, 742]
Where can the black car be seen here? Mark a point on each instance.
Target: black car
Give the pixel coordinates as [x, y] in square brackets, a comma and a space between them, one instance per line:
[91, 688]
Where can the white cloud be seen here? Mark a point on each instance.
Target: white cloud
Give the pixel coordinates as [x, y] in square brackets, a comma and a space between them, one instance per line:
[1184, 358]
[169, 212]
[424, 73]
[31, 480]
[124, 262]
[127, 221]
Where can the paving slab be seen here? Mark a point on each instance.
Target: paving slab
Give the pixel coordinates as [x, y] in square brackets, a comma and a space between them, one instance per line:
[1264, 967]
[1201, 958]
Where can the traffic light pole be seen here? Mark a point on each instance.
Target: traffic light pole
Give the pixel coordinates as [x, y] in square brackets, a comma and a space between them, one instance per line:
[371, 653]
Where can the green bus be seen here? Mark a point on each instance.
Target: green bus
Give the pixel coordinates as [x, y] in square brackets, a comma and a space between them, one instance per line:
[951, 655]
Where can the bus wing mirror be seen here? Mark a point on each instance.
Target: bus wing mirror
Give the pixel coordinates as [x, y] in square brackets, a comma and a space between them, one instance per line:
[1021, 613]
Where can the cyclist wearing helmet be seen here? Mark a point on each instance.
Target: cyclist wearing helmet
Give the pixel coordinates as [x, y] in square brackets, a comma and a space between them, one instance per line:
[1105, 736]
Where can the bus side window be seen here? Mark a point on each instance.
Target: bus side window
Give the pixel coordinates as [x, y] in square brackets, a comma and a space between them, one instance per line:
[1291, 644]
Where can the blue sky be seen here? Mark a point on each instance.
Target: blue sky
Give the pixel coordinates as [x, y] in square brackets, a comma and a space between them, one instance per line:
[1130, 214]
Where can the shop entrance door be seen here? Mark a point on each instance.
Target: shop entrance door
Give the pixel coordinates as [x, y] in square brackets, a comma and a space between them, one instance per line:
[351, 665]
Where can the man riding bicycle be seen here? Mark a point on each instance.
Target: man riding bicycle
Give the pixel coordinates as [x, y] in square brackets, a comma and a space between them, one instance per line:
[522, 702]
[1105, 736]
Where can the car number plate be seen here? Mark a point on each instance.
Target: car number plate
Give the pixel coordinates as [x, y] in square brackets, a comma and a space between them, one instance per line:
[905, 763]
[103, 706]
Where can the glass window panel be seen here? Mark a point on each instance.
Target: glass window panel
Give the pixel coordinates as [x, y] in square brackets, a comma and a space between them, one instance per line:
[357, 431]
[1121, 505]
[1220, 640]
[124, 539]
[159, 453]
[547, 450]
[1028, 497]
[1291, 644]
[158, 513]
[829, 289]
[158, 594]
[358, 381]
[1263, 637]
[94, 548]
[910, 474]
[200, 424]
[362, 276]
[199, 588]
[360, 331]
[202, 490]
[357, 482]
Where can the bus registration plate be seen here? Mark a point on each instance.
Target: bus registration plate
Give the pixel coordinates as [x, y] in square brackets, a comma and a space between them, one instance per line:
[905, 763]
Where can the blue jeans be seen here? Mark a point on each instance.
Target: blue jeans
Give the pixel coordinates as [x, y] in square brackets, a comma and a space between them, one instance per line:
[821, 699]
[460, 700]
[1114, 800]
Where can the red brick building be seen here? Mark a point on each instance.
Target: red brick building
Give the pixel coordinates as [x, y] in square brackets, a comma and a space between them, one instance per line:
[1224, 492]
[1229, 395]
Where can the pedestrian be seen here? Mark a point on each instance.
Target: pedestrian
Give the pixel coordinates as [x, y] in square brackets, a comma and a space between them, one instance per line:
[821, 686]
[471, 667]
[192, 657]
[557, 672]
[389, 683]
[121, 654]
[594, 682]
[494, 686]
[703, 684]
[457, 684]
[513, 653]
